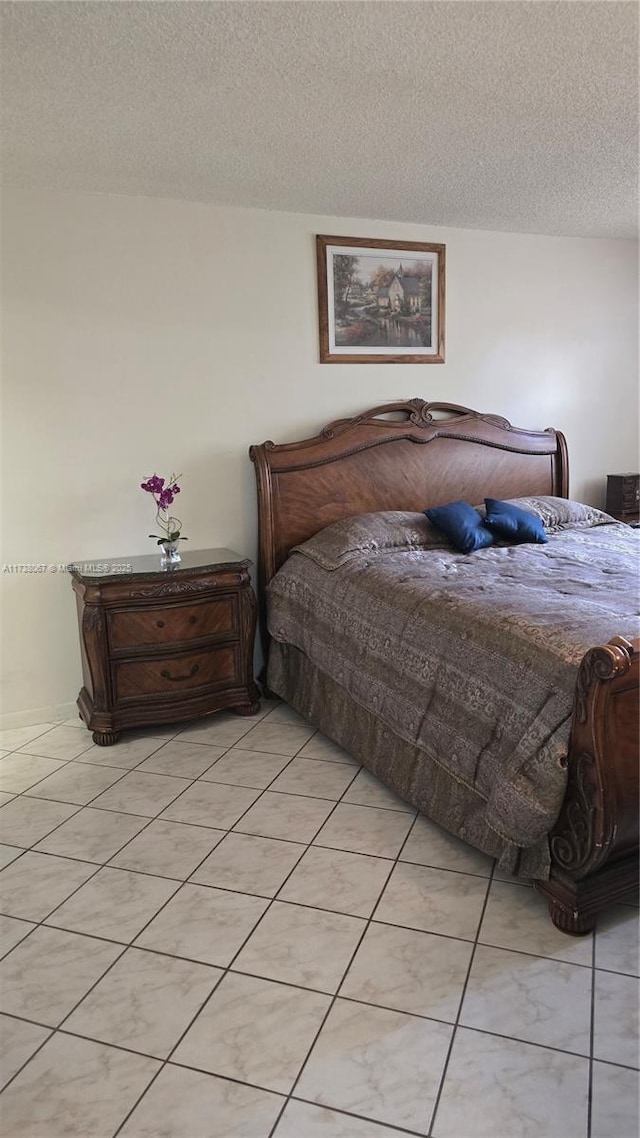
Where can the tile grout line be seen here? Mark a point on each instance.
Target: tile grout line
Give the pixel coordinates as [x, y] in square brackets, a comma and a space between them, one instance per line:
[227, 968]
[23, 793]
[37, 924]
[147, 873]
[246, 833]
[227, 832]
[334, 996]
[82, 806]
[622, 1066]
[192, 782]
[215, 782]
[272, 900]
[217, 829]
[57, 928]
[3, 1086]
[207, 1072]
[284, 984]
[153, 818]
[163, 741]
[223, 1078]
[14, 861]
[456, 1024]
[80, 861]
[27, 742]
[141, 948]
[126, 945]
[347, 1114]
[100, 866]
[306, 904]
[130, 770]
[34, 924]
[63, 802]
[290, 983]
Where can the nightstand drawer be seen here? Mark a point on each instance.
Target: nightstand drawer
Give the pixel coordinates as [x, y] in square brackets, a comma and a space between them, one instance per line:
[140, 627]
[173, 675]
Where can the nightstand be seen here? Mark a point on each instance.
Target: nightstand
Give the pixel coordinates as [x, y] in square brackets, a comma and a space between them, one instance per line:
[623, 497]
[164, 644]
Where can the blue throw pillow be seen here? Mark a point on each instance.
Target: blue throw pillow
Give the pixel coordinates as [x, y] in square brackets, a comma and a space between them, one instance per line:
[513, 524]
[462, 525]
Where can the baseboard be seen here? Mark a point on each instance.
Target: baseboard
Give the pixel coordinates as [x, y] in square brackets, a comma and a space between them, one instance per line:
[50, 714]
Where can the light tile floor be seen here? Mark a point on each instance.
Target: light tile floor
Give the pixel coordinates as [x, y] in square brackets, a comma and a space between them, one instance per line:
[232, 931]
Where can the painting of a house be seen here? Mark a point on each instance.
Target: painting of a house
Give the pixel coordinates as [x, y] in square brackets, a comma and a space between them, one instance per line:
[384, 302]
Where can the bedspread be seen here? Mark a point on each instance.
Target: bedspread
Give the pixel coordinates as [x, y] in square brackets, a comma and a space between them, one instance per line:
[471, 659]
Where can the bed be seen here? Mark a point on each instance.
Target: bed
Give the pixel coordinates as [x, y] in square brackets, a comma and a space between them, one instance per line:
[347, 560]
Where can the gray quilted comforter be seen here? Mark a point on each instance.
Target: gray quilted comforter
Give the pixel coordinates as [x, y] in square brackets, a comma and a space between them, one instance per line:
[470, 659]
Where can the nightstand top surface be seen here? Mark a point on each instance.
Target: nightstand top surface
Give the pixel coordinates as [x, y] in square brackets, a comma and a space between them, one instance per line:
[148, 565]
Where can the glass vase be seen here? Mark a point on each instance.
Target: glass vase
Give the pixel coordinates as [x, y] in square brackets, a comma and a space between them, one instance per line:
[170, 553]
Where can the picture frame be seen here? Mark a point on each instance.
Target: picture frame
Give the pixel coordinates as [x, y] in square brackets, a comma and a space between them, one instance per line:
[380, 301]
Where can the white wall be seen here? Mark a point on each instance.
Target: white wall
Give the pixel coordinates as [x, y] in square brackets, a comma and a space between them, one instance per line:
[145, 336]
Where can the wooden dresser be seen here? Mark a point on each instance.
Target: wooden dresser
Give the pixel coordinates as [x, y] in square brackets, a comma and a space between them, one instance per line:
[163, 644]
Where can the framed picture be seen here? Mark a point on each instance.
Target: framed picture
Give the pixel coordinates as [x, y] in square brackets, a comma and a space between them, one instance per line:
[380, 301]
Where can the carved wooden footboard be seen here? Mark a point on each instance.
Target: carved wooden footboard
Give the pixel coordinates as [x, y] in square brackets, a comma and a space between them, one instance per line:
[594, 844]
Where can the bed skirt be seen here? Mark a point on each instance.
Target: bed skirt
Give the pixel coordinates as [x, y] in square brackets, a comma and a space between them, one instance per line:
[407, 769]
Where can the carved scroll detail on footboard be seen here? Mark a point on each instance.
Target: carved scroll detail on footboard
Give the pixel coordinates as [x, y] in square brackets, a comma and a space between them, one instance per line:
[594, 844]
[573, 840]
[597, 818]
[602, 663]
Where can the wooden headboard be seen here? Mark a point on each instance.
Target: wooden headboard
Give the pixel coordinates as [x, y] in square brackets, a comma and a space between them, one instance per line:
[401, 456]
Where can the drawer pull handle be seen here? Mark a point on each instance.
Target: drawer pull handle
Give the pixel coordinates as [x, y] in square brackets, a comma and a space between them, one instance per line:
[166, 675]
[159, 624]
[192, 619]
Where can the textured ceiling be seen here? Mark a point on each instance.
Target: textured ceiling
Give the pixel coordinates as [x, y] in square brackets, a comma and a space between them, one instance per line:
[489, 115]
